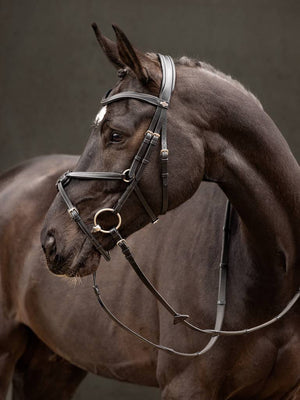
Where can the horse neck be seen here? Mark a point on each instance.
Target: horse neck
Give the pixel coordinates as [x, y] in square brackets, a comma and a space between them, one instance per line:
[246, 153]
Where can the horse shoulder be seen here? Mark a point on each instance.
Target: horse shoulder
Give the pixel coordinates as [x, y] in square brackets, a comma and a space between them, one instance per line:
[31, 183]
[26, 191]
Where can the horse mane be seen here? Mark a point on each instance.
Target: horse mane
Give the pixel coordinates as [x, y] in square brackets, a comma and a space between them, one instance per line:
[190, 62]
[193, 63]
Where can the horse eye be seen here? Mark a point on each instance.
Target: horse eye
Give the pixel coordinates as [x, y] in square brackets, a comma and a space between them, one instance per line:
[115, 137]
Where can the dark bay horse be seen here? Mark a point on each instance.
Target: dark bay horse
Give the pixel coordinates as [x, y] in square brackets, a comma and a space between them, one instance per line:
[216, 129]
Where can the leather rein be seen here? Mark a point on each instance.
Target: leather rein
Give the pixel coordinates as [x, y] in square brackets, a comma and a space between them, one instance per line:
[156, 132]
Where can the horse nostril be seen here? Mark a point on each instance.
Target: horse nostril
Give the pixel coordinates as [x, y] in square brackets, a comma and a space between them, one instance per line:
[50, 248]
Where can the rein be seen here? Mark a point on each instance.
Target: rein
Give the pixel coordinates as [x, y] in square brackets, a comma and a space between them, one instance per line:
[157, 131]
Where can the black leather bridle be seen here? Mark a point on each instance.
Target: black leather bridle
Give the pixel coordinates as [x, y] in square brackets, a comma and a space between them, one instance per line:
[157, 131]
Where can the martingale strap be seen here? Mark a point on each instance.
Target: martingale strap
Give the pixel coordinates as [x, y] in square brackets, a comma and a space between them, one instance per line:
[177, 317]
[182, 318]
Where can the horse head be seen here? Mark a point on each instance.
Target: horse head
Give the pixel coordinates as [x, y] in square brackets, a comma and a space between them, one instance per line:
[119, 129]
[216, 129]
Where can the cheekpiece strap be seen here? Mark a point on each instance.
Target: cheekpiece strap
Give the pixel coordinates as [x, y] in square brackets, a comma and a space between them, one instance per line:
[158, 125]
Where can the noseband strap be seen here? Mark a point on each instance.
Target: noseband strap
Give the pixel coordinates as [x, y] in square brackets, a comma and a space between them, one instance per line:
[74, 214]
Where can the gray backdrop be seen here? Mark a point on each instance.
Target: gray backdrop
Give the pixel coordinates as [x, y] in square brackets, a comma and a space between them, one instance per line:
[53, 74]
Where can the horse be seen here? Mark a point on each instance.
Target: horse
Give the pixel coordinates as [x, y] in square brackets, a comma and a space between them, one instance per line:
[217, 130]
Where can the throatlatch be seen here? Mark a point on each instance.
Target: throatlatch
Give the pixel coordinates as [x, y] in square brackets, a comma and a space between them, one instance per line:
[157, 132]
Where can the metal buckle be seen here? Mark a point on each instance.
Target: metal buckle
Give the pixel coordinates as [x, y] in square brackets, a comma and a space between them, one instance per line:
[73, 212]
[164, 152]
[98, 228]
[120, 242]
[156, 135]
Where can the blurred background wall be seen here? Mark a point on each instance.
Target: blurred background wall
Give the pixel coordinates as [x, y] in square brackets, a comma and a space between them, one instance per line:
[53, 74]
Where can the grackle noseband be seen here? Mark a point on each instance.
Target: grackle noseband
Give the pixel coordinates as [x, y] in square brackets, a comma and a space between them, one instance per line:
[156, 131]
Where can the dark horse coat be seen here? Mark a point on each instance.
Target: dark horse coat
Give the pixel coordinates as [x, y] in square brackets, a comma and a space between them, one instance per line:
[216, 129]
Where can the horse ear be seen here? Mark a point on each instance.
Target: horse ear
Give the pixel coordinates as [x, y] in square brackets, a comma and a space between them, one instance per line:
[109, 48]
[143, 66]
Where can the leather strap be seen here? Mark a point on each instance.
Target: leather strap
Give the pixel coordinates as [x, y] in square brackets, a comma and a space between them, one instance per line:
[148, 98]
[182, 318]
[221, 302]
[158, 123]
[168, 66]
[170, 350]
[145, 204]
[96, 175]
[142, 338]
[140, 154]
[177, 317]
[139, 171]
[74, 214]
[129, 257]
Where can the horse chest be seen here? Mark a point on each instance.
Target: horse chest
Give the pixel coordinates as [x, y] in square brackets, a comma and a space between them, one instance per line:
[265, 367]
